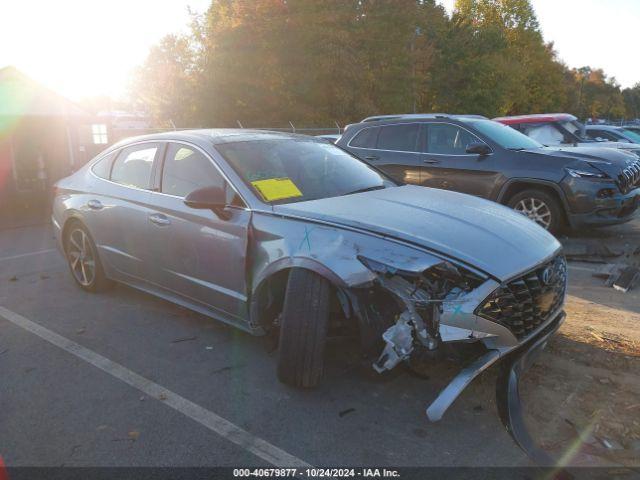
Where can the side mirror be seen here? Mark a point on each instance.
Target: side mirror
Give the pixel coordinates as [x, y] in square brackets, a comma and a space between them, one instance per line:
[208, 198]
[479, 148]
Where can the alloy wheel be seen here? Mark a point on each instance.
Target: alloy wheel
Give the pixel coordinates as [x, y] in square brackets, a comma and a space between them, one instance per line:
[536, 210]
[81, 257]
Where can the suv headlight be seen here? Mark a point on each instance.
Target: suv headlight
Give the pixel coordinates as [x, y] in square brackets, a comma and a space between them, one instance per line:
[576, 173]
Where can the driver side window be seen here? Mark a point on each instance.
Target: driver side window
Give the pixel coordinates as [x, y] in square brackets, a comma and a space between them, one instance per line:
[446, 139]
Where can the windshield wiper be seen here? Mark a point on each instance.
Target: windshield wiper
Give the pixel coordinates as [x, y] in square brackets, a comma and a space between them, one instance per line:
[366, 189]
[516, 149]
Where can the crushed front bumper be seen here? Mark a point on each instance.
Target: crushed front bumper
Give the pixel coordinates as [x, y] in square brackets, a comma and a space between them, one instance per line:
[614, 210]
[514, 362]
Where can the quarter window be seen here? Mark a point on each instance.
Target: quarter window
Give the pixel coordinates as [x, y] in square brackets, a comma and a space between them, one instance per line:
[445, 139]
[133, 166]
[401, 138]
[186, 169]
[102, 168]
[366, 138]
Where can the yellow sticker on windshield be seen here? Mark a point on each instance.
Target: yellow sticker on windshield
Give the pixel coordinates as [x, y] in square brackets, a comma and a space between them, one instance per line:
[276, 189]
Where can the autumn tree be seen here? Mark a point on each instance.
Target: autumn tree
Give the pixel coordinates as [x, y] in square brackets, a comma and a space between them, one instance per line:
[166, 84]
[265, 62]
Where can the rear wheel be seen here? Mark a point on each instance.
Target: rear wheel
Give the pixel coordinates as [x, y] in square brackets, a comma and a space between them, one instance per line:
[540, 207]
[83, 260]
[303, 329]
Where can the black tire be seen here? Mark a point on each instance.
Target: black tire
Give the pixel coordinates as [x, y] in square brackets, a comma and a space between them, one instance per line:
[550, 204]
[96, 282]
[303, 329]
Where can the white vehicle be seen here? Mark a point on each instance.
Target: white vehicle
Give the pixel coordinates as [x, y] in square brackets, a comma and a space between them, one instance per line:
[561, 130]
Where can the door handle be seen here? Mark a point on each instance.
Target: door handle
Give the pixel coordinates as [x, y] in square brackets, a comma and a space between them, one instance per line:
[371, 157]
[95, 205]
[431, 161]
[159, 219]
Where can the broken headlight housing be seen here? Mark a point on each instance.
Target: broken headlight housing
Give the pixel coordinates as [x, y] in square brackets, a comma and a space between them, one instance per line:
[419, 297]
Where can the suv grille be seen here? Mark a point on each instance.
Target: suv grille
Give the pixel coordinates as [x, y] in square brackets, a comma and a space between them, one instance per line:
[629, 178]
[526, 302]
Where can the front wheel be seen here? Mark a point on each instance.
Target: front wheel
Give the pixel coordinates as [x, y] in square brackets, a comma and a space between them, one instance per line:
[540, 207]
[303, 329]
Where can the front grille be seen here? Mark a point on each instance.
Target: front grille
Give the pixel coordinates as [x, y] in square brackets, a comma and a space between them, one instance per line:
[629, 178]
[523, 304]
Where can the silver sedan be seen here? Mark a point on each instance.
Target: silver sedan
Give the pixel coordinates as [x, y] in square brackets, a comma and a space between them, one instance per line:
[287, 233]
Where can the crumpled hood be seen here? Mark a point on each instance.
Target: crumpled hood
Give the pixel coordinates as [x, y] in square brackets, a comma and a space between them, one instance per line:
[608, 160]
[484, 234]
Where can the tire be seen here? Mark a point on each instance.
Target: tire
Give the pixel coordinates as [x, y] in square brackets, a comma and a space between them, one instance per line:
[81, 252]
[540, 207]
[303, 329]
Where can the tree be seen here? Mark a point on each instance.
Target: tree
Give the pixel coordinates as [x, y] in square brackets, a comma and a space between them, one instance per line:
[632, 101]
[267, 62]
[166, 83]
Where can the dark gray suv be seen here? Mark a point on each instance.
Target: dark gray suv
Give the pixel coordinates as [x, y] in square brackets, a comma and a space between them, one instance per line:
[576, 187]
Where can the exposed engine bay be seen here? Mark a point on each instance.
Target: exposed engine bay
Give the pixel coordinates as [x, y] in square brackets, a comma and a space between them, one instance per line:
[419, 298]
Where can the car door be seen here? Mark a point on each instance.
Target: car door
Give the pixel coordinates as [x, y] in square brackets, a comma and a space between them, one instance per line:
[196, 254]
[394, 148]
[116, 211]
[447, 165]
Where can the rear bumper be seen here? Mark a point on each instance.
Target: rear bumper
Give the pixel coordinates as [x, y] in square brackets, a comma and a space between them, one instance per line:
[608, 211]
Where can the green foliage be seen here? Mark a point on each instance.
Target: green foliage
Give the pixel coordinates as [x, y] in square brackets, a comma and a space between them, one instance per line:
[265, 62]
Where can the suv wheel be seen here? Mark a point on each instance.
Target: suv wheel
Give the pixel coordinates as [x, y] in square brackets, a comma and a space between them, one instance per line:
[540, 207]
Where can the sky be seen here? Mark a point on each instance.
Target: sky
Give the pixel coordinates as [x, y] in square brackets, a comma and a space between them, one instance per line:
[82, 48]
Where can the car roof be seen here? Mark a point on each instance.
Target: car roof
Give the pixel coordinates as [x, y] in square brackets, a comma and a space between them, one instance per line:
[541, 117]
[420, 116]
[214, 136]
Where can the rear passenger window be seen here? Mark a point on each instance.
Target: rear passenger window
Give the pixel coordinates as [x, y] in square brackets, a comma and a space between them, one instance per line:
[102, 168]
[186, 169]
[366, 138]
[133, 166]
[402, 138]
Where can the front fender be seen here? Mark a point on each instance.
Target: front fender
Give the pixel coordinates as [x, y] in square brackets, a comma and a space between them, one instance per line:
[279, 243]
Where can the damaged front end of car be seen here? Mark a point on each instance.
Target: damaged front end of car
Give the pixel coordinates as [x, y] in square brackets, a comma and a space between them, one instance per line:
[446, 304]
[413, 305]
[419, 297]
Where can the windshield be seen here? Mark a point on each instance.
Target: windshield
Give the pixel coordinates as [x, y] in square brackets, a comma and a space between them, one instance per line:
[504, 135]
[632, 135]
[291, 170]
[576, 128]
